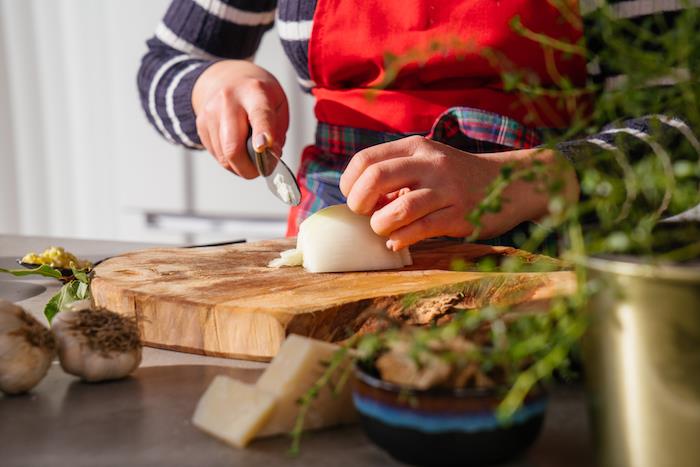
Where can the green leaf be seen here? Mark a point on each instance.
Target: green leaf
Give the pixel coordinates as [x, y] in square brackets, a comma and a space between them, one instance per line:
[43, 270]
[458, 264]
[506, 171]
[83, 291]
[71, 292]
[52, 307]
[488, 264]
[510, 81]
[81, 275]
[683, 169]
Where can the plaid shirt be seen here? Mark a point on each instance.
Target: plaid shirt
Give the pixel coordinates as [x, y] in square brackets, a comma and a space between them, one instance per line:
[468, 129]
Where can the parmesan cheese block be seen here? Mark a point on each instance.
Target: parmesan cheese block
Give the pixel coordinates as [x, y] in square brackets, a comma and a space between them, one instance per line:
[233, 411]
[236, 412]
[296, 367]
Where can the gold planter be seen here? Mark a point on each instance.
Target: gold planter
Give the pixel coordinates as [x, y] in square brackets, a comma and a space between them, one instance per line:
[642, 363]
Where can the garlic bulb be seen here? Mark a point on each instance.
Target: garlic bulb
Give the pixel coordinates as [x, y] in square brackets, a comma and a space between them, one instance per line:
[26, 349]
[335, 239]
[97, 345]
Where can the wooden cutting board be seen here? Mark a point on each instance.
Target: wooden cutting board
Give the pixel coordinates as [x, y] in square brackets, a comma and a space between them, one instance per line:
[224, 301]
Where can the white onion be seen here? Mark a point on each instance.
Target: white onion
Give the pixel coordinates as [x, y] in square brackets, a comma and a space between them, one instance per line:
[284, 190]
[291, 257]
[335, 239]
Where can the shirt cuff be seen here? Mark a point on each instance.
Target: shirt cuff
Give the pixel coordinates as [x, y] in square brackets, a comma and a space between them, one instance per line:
[182, 106]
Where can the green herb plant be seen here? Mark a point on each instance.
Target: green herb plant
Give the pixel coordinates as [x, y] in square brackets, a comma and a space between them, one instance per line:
[628, 187]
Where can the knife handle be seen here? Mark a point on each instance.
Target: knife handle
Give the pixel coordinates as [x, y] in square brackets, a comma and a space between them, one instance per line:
[253, 155]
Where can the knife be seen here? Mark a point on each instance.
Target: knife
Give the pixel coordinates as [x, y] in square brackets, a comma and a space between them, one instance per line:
[280, 180]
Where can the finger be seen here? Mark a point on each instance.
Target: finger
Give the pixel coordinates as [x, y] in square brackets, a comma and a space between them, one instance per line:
[203, 133]
[441, 222]
[388, 198]
[261, 116]
[382, 178]
[205, 122]
[281, 126]
[213, 129]
[406, 209]
[403, 147]
[233, 132]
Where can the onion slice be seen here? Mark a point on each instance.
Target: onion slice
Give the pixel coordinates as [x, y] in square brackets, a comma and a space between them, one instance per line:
[291, 257]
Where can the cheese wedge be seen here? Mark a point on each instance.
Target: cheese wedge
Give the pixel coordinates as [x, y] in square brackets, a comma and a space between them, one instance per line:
[233, 411]
[296, 367]
[236, 412]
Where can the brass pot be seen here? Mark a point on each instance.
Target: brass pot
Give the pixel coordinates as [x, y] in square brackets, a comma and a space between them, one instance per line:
[642, 363]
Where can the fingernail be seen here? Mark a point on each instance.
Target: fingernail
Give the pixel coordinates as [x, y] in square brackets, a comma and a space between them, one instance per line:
[259, 141]
[391, 245]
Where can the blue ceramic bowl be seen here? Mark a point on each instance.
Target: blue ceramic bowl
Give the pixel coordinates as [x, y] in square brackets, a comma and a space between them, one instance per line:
[444, 427]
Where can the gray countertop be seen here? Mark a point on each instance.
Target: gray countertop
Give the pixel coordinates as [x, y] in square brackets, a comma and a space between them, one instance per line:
[145, 420]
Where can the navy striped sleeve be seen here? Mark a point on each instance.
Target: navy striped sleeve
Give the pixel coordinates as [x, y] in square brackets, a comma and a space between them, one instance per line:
[665, 128]
[655, 132]
[662, 129]
[294, 24]
[192, 35]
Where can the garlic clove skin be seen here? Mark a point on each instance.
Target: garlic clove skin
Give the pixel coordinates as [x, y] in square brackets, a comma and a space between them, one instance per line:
[22, 368]
[116, 365]
[70, 353]
[92, 365]
[26, 349]
[79, 305]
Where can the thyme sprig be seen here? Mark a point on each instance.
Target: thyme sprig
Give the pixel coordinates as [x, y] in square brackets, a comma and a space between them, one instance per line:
[629, 182]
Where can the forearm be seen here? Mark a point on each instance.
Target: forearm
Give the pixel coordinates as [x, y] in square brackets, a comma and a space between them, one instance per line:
[189, 39]
[165, 82]
[530, 199]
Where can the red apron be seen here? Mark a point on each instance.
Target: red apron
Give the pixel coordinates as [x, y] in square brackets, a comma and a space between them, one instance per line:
[352, 42]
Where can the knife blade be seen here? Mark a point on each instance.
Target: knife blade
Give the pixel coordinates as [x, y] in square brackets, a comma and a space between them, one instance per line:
[278, 177]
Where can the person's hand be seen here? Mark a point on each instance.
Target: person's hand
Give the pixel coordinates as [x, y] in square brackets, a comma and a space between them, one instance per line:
[415, 188]
[230, 97]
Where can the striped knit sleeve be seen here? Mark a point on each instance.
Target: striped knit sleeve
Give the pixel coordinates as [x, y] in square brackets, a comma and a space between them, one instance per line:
[294, 25]
[609, 77]
[652, 130]
[192, 35]
[632, 137]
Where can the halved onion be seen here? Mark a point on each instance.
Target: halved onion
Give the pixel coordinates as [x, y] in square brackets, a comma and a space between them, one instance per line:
[335, 239]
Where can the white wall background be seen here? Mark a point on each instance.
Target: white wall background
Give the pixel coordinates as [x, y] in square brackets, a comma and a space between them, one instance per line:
[78, 157]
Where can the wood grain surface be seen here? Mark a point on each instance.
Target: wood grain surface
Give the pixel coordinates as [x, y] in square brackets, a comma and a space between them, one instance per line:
[224, 301]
